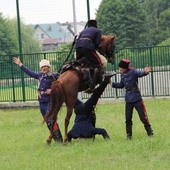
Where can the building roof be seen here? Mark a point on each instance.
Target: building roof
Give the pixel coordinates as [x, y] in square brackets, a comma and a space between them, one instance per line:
[53, 30]
[58, 33]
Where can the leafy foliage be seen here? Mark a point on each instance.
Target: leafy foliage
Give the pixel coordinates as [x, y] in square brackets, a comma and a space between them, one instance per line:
[135, 22]
[9, 37]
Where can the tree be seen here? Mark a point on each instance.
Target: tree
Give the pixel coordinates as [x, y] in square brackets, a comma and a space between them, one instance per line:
[164, 21]
[9, 37]
[126, 19]
[155, 12]
[7, 41]
[29, 43]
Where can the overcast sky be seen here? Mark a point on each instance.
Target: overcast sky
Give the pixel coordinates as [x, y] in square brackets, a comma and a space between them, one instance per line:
[48, 11]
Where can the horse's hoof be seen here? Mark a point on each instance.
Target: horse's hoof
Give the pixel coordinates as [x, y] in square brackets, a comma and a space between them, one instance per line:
[48, 142]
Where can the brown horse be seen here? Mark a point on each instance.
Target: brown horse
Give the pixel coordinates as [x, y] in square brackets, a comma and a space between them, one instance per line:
[65, 89]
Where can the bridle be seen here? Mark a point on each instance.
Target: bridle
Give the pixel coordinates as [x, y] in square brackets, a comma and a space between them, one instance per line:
[108, 51]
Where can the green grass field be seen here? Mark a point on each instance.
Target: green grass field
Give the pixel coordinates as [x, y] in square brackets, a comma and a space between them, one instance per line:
[23, 141]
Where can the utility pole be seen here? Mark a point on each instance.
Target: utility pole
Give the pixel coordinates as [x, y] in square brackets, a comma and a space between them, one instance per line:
[74, 17]
[88, 10]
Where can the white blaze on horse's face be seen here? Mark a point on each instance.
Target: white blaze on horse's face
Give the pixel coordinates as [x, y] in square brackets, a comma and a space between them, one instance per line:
[45, 69]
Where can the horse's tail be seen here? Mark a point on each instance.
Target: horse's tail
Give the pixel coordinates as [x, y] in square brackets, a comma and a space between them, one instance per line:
[56, 101]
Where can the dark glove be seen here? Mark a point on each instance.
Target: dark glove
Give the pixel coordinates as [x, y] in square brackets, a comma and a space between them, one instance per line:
[108, 76]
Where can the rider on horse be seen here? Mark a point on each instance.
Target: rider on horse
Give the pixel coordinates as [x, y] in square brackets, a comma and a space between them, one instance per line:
[86, 45]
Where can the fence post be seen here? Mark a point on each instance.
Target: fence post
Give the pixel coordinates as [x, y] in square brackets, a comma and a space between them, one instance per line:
[44, 55]
[13, 85]
[116, 90]
[151, 63]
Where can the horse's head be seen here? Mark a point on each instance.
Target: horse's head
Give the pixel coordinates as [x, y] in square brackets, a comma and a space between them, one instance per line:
[108, 47]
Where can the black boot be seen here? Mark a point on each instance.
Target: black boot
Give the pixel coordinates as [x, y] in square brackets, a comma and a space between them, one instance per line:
[92, 83]
[57, 133]
[105, 134]
[57, 136]
[129, 131]
[108, 76]
[148, 130]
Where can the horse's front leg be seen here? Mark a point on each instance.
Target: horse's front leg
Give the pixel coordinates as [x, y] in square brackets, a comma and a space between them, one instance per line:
[67, 121]
[49, 138]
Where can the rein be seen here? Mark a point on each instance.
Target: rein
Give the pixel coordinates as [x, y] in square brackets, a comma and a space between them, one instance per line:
[71, 49]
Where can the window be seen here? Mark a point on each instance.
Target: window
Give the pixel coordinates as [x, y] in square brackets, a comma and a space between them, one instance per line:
[42, 35]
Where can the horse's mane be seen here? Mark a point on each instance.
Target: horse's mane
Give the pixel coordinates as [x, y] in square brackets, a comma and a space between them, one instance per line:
[106, 39]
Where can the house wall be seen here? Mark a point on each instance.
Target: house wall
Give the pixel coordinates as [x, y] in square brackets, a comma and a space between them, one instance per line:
[40, 34]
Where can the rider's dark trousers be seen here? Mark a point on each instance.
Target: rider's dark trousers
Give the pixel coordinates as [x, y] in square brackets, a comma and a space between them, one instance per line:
[90, 55]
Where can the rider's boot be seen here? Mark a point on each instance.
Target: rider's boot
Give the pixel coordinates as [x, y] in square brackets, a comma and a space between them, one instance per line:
[92, 79]
[92, 83]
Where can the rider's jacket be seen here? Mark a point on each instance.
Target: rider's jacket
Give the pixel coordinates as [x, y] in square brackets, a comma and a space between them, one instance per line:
[89, 38]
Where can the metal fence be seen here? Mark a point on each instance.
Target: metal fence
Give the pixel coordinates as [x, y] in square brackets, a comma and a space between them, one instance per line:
[17, 86]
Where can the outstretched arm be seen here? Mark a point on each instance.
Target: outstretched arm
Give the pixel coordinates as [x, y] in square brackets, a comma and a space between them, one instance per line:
[96, 95]
[148, 69]
[145, 72]
[17, 61]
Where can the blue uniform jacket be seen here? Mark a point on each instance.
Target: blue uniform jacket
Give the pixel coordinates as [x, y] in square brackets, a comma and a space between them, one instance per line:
[45, 81]
[83, 121]
[89, 38]
[129, 81]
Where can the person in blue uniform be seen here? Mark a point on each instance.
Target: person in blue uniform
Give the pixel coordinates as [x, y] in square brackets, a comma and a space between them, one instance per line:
[86, 45]
[84, 123]
[45, 79]
[133, 98]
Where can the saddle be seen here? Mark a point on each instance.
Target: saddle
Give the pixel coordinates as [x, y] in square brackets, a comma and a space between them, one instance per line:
[87, 73]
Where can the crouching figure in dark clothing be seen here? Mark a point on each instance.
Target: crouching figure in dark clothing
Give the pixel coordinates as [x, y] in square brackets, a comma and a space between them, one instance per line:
[84, 124]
